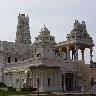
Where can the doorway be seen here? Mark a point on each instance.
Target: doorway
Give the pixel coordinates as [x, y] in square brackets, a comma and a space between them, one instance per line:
[69, 81]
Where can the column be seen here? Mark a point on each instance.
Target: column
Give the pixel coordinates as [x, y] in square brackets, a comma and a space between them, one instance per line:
[35, 52]
[27, 79]
[20, 74]
[64, 84]
[2, 76]
[73, 82]
[76, 52]
[82, 88]
[33, 78]
[91, 50]
[82, 51]
[60, 51]
[41, 80]
[72, 54]
[10, 78]
[54, 80]
[68, 53]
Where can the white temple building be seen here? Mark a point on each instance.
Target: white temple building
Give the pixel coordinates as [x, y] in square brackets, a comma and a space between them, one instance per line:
[51, 66]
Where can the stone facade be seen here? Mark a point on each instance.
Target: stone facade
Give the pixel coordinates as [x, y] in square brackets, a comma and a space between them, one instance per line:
[46, 64]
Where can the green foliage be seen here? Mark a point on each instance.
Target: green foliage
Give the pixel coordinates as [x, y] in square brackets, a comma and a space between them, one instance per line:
[12, 92]
[2, 84]
[8, 93]
[3, 93]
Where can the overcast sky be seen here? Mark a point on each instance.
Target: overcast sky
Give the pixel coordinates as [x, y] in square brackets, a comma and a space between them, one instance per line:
[57, 15]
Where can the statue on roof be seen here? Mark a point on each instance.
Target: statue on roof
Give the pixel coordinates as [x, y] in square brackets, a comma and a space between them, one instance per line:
[83, 25]
[76, 24]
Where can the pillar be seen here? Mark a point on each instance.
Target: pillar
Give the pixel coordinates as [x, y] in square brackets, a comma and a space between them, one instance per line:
[64, 84]
[10, 78]
[76, 52]
[72, 54]
[2, 75]
[68, 53]
[74, 84]
[82, 51]
[82, 88]
[41, 80]
[91, 50]
[33, 78]
[20, 74]
[60, 51]
[27, 78]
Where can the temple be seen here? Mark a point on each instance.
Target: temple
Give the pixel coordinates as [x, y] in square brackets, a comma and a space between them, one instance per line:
[45, 64]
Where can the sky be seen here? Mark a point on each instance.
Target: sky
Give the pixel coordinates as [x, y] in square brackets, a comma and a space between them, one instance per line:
[57, 15]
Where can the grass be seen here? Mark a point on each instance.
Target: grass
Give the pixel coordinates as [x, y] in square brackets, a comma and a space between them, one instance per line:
[8, 93]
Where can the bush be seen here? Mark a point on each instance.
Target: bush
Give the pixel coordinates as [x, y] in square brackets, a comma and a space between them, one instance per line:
[29, 89]
[11, 89]
[2, 84]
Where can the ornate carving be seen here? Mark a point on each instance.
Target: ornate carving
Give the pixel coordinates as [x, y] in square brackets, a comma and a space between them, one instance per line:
[79, 33]
[23, 32]
[44, 38]
[23, 22]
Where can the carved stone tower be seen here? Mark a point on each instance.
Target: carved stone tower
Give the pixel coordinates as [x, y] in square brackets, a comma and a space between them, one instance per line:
[23, 32]
[80, 39]
[44, 43]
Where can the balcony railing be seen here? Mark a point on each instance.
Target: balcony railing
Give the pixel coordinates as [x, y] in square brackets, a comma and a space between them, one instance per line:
[67, 64]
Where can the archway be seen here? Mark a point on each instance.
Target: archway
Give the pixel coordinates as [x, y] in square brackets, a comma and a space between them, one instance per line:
[69, 81]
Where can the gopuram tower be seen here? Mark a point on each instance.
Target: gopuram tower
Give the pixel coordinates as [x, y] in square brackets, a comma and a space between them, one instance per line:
[23, 32]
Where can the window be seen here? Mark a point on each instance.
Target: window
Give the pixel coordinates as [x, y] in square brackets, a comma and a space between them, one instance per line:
[9, 59]
[38, 55]
[49, 81]
[15, 59]
[38, 82]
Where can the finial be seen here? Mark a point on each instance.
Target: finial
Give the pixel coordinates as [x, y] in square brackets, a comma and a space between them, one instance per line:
[44, 26]
[75, 20]
[83, 22]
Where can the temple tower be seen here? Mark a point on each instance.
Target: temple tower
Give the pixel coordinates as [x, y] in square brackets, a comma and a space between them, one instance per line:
[23, 32]
[44, 43]
[77, 40]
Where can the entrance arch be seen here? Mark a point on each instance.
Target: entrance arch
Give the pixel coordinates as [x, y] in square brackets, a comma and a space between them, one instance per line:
[69, 81]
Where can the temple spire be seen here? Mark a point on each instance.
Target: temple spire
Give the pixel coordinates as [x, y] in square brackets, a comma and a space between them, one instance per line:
[23, 32]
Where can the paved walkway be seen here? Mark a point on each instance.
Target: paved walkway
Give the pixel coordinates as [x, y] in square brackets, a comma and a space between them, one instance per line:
[17, 95]
[55, 93]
